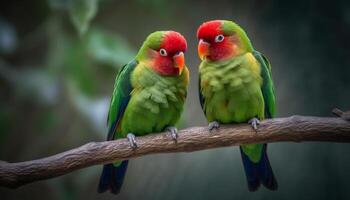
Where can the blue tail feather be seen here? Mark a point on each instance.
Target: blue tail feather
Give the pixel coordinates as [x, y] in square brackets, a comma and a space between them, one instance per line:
[259, 173]
[112, 177]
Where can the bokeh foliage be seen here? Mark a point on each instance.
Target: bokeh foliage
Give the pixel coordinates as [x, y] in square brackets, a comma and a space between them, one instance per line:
[59, 58]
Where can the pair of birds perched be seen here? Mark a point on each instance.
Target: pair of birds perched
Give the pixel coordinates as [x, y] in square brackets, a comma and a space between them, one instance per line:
[235, 86]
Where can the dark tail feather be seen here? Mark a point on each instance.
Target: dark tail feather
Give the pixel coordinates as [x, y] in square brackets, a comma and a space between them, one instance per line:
[112, 177]
[260, 172]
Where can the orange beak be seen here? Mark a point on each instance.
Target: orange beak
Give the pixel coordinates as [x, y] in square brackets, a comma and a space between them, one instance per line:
[179, 61]
[203, 49]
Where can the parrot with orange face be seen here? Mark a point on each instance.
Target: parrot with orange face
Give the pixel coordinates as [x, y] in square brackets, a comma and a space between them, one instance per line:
[149, 94]
[236, 86]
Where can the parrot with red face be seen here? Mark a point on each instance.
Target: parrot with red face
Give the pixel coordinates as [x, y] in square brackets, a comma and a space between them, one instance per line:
[236, 86]
[149, 95]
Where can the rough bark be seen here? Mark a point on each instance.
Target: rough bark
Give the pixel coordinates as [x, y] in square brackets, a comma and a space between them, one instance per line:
[295, 129]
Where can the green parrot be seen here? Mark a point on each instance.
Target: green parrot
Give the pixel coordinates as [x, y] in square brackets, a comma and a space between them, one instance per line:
[149, 94]
[236, 86]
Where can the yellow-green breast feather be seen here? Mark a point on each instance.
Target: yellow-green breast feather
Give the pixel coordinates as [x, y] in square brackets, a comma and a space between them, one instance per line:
[156, 101]
[232, 89]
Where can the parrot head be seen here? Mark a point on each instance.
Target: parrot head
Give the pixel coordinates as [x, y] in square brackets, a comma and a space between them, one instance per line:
[163, 51]
[221, 40]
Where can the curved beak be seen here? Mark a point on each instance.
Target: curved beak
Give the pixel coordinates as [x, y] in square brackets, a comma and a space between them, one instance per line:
[203, 49]
[179, 61]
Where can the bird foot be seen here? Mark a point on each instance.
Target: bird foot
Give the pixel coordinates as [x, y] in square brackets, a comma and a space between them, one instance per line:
[213, 125]
[132, 140]
[254, 122]
[173, 132]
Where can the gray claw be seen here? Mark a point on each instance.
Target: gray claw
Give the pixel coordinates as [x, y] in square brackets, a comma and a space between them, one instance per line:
[254, 122]
[213, 125]
[173, 132]
[132, 140]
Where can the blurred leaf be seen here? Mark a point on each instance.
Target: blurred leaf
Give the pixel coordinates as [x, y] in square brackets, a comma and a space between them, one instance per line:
[8, 37]
[67, 57]
[163, 8]
[93, 109]
[47, 121]
[82, 12]
[38, 85]
[153, 3]
[79, 69]
[58, 42]
[59, 4]
[109, 48]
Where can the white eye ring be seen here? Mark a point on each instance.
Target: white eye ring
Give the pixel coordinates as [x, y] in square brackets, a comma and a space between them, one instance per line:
[163, 52]
[219, 38]
[179, 53]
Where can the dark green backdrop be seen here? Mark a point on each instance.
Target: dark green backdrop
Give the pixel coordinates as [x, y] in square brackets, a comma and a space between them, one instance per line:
[56, 77]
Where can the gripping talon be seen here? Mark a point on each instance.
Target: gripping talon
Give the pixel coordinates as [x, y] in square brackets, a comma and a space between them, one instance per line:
[132, 140]
[213, 125]
[173, 132]
[254, 122]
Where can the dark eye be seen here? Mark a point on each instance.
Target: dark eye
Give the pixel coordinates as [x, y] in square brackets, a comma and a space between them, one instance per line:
[163, 52]
[219, 38]
[179, 53]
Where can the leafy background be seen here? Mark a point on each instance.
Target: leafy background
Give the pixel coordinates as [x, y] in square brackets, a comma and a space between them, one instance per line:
[59, 58]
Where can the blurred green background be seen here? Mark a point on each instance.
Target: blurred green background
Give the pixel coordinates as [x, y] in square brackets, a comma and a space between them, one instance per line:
[59, 58]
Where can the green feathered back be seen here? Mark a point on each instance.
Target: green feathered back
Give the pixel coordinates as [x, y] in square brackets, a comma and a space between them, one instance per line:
[267, 86]
[120, 97]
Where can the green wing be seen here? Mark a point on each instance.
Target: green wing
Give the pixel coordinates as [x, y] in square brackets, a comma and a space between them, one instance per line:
[120, 98]
[201, 97]
[267, 87]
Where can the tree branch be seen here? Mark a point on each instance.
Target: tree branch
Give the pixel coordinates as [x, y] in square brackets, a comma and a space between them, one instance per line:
[295, 128]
